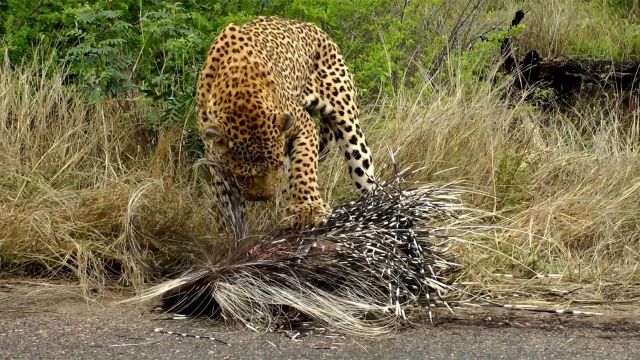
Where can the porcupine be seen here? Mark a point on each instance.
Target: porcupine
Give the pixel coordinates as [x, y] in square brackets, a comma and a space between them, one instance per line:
[370, 263]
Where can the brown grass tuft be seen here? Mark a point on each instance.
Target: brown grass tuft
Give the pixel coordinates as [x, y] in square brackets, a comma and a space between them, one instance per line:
[83, 191]
[560, 187]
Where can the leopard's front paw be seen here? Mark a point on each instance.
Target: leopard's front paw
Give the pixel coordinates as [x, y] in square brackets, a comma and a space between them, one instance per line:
[308, 213]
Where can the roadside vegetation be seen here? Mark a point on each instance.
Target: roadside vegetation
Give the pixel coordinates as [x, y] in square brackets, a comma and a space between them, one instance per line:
[98, 175]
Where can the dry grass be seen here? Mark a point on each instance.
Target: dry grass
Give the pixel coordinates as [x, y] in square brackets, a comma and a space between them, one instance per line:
[563, 186]
[88, 191]
[584, 29]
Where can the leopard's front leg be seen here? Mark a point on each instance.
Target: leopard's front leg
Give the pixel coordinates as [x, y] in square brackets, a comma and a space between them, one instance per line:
[306, 206]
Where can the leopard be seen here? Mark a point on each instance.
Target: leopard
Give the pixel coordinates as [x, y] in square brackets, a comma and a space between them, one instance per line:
[261, 85]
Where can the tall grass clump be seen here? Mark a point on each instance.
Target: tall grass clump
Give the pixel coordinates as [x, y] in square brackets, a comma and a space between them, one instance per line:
[595, 29]
[87, 189]
[560, 187]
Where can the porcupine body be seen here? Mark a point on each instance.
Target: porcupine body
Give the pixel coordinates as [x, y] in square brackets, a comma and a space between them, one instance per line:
[368, 265]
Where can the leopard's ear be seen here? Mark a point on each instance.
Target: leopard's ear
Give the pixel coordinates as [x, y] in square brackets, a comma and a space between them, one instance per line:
[215, 139]
[286, 121]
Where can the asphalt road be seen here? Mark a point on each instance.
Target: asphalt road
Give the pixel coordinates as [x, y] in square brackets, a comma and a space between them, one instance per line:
[60, 327]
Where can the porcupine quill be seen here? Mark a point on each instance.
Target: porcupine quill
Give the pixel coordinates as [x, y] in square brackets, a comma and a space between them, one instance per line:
[364, 269]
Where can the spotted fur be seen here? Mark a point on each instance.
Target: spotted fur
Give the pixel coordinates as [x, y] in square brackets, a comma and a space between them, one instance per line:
[259, 86]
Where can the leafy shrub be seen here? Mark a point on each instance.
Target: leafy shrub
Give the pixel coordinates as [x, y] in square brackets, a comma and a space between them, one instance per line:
[155, 48]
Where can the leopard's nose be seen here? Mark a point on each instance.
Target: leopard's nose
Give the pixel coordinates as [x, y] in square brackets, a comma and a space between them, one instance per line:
[258, 195]
[261, 197]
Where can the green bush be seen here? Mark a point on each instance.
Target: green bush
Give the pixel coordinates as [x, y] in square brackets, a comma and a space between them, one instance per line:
[151, 47]
[154, 48]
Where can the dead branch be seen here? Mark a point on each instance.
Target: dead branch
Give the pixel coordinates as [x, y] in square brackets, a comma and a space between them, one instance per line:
[564, 75]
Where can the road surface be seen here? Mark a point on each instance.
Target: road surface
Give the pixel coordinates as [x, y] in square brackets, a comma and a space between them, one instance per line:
[49, 324]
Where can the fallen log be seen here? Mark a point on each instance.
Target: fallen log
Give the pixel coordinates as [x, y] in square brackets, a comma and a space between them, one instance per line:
[565, 75]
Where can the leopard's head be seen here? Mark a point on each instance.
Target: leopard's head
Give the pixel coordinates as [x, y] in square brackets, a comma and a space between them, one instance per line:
[249, 143]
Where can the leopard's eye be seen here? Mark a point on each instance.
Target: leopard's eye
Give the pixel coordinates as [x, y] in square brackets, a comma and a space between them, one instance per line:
[284, 121]
[288, 122]
[212, 134]
[217, 140]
